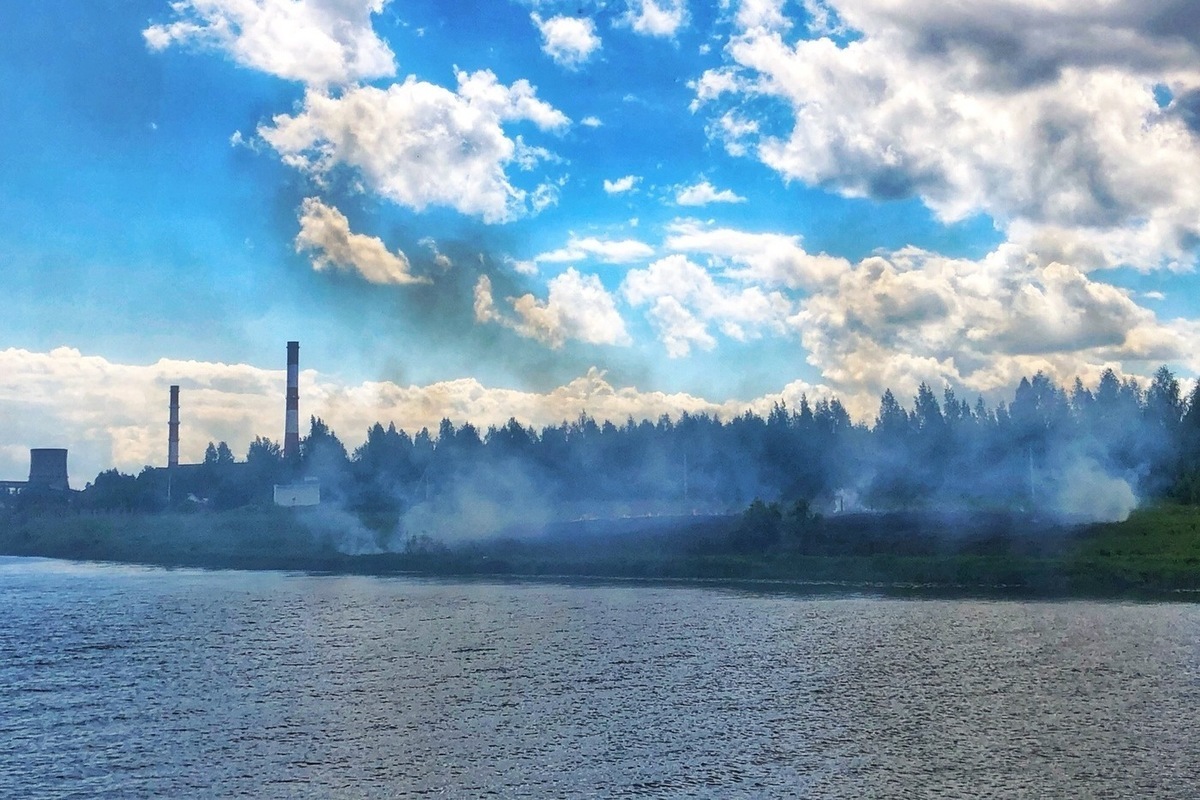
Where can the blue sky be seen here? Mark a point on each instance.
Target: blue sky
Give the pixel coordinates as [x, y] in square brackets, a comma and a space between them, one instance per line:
[676, 204]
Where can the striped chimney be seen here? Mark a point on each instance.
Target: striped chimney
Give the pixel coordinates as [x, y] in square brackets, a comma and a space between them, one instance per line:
[291, 428]
[173, 430]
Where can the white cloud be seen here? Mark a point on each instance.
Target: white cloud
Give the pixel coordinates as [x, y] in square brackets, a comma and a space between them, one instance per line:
[621, 185]
[546, 195]
[591, 122]
[418, 144]
[916, 316]
[768, 259]
[662, 18]
[325, 234]
[520, 267]
[318, 42]
[570, 41]
[1040, 114]
[714, 83]
[703, 193]
[527, 157]
[519, 101]
[762, 14]
[894, 320]
[578, 307]
[110, 414]
[734, 131]
[684, 299]
[440, 259]
[610, 251]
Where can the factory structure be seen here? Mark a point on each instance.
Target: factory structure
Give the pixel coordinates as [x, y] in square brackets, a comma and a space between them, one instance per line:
[307, 492]
[304, 493]
[47, 475]
[48, 465]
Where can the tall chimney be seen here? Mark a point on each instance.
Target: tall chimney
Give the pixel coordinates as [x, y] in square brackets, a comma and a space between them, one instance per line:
[291, 428]
[173, 431]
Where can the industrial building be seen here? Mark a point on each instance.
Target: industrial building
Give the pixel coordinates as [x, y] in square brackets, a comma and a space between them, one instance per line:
[304, 493]
[48, 466]
[47, 475]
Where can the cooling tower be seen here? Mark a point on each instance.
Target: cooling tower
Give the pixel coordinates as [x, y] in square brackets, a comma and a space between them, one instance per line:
[48, 469]
[291, 428]
[173, 431]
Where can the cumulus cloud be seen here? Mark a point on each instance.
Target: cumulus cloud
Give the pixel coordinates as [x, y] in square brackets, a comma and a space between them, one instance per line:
[767, 259]
[896, 319]
[610, 251]
[591, 122]
[982, 324]
[570, 41]
[662, 18]
[418, 144]
[318, 42]
[577, 307]
[621, 185]
[1041, 115]
[767, 14]
[703, 193]
[110, 414]
[325, 234]
[684, 300]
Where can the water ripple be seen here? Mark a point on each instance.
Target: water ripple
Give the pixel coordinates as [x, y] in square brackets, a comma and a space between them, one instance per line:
[119, 682]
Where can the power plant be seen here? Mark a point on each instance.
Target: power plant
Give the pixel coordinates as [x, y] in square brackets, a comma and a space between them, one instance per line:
[48, 465]
[291, 428]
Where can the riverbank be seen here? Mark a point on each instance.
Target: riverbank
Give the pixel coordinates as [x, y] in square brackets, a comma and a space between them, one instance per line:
[1155, 551]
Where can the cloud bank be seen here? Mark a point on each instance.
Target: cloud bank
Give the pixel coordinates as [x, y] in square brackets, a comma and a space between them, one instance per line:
[111, 414]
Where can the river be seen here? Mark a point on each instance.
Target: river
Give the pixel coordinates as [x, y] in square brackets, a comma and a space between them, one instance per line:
[127, 682]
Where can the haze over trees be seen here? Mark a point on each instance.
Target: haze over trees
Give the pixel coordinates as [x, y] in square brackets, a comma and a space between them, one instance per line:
[1075, 453]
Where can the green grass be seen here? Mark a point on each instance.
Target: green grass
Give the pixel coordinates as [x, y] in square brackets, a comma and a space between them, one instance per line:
[1155, 551]
[1158, 547]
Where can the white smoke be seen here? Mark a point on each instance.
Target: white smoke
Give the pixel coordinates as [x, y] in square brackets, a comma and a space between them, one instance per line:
[1086, 492]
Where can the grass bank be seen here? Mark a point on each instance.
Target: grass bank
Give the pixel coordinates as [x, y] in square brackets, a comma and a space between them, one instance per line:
[1155, 552]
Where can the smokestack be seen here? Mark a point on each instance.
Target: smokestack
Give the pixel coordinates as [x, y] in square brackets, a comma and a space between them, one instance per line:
[291, 428]
[173, 431]
[48, 469]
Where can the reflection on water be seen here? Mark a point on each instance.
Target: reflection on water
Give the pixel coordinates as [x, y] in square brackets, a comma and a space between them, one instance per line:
[127, 682]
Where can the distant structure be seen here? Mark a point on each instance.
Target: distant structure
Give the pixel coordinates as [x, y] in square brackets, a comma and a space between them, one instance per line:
[291, 428]
[306, 493]
[48, 469]
[47, 474]
[173, 431]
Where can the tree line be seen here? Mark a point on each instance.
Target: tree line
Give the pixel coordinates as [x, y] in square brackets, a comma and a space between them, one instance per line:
[944, 452]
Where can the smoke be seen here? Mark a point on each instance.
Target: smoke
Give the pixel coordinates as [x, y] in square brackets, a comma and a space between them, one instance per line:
[492, 500]
[1088, 493]
[332, 525]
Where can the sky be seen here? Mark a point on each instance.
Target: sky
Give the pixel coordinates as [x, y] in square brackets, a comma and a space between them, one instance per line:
[537, 209]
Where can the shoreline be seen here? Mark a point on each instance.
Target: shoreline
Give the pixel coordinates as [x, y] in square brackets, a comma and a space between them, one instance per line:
[1153, 555]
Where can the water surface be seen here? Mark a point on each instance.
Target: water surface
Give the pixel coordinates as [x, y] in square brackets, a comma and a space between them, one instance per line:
[134, 682]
